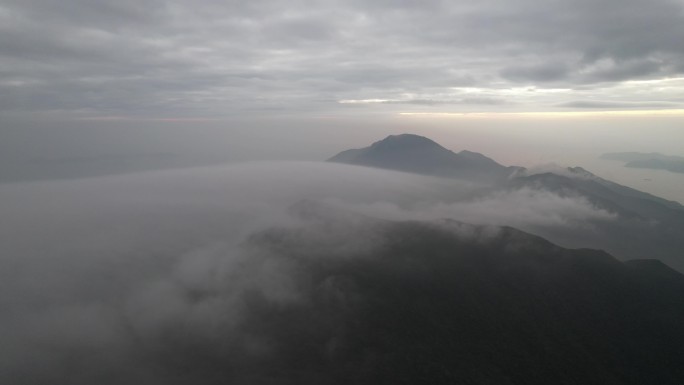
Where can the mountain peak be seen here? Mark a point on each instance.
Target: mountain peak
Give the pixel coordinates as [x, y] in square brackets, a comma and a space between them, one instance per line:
[405, 141]
[420, 155]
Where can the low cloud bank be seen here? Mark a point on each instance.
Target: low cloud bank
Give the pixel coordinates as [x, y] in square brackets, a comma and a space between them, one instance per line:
[155, 277]
[524, 208]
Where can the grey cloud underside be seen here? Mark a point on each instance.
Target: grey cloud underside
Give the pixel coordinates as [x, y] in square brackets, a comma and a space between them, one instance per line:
[596, 104]
[433, 102]
[227, 57]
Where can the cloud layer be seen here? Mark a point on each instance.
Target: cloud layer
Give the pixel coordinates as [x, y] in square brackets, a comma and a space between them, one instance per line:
[212, 59]
[147, 277]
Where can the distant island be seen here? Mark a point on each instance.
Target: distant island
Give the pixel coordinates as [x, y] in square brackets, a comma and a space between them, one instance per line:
[651, 160]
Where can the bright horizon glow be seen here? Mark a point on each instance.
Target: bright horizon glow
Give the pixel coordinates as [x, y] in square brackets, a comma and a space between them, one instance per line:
[549, 114]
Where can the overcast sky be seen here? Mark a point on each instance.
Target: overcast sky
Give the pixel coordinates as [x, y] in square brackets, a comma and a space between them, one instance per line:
[89, 87]
[216, 59]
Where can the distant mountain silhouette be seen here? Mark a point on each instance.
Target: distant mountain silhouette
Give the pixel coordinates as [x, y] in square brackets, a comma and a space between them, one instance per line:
[417, 154]
[658, 164]
[447, 302]
[635, 156]
[651, 160]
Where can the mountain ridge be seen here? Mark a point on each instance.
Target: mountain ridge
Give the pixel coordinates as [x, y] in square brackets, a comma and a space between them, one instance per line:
[464, 303]
[646, 226]
[417, 154]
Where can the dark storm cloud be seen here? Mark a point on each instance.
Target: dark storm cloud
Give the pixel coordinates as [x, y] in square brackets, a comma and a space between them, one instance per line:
[161, 57]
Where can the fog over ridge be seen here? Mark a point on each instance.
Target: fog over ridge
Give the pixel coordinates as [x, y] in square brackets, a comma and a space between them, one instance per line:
[102, 272]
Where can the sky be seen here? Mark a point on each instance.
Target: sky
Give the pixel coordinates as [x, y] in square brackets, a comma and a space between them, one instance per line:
[523, 81]
[215, 59]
